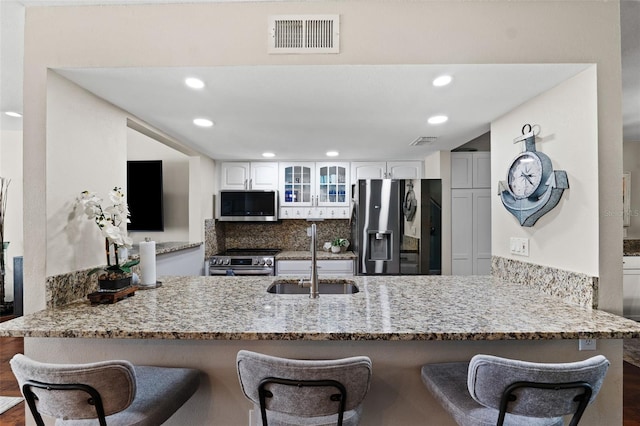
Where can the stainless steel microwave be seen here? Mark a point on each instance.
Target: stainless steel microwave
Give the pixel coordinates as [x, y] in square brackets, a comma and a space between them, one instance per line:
[248, 206]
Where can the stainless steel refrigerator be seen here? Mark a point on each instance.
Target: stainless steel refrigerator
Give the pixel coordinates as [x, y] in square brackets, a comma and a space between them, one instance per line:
[396, 226]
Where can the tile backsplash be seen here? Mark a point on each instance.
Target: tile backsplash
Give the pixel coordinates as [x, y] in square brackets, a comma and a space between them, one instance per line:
[284, 235]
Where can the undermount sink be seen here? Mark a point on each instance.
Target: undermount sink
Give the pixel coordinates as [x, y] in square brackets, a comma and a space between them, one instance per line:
[325, 286]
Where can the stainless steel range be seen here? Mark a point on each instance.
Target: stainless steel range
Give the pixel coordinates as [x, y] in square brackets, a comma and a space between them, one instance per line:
[243, 262]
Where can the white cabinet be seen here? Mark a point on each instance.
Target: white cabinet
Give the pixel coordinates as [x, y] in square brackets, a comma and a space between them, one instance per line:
[326, 268]
[314, 190]
[470, 170]
[631, 287]
[470, 213]
[385, 170]
[244, 175]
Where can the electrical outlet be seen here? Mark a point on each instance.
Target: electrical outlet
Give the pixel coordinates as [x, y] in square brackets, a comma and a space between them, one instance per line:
[587, 345]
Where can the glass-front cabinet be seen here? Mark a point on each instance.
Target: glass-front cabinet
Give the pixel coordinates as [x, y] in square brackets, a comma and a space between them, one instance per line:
[332, 185]
[314, 190]
[297, 184]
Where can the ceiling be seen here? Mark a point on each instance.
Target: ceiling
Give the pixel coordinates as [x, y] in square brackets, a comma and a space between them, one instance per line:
[300, 112]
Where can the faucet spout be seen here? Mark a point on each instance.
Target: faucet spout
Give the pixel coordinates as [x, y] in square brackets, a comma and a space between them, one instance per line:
[313, 293]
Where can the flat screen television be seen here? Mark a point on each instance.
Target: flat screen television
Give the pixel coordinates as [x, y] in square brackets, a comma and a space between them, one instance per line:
[144, 195]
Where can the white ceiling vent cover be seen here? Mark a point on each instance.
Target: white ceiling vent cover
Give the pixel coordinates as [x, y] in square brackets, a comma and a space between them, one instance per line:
[304, 34]
[423, 140]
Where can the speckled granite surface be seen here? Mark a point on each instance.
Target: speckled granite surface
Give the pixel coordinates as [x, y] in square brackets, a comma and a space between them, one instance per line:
[283, 235]
[164, 248]
[65, 288]
[631, 248]
[386, 308]
[572, 287]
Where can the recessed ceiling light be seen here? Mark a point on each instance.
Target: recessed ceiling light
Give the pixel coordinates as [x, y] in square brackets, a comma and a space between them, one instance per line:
[202, 122]
[437, 119]
[332, 153]
[268, 154]
[194, 83]
[13, 114]
[443, 80]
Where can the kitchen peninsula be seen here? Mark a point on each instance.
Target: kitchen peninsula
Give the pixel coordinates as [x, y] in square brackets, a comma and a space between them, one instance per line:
[400, 322]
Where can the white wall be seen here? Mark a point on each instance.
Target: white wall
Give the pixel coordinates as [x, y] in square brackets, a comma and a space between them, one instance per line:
[11, 167]
[175, 182]
[86, 150]
[88, 144]
[567, 237]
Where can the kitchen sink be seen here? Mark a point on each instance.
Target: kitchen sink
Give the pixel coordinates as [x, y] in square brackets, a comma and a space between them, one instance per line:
[325, 286]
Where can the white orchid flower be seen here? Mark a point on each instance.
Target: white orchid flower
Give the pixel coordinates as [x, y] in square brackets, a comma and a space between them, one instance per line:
[110, 218]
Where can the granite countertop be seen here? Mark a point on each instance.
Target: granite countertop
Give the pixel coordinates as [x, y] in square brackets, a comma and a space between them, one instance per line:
[164, 248]
[320, 255]
[386, 308]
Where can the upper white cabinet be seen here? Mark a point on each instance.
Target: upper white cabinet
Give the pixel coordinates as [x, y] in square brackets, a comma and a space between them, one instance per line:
[314, 190]
[385, 170]
[470, 170]
[244, 175]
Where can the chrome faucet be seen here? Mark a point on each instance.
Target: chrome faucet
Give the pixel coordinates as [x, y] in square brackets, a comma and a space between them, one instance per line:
[313, 279]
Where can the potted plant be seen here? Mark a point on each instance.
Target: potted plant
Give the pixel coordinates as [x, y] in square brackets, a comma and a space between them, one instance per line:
[339, 244]
[115, 275]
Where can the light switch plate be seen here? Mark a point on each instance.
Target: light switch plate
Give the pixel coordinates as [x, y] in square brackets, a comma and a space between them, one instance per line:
[519, 246]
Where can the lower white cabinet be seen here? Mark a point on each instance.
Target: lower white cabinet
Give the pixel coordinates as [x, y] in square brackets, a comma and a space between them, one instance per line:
[326, 268]
[470, 231]
[631, 287]
[186, 262]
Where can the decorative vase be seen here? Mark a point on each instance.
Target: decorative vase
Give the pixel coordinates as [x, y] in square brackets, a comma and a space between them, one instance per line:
[113, 284]
[336, 249]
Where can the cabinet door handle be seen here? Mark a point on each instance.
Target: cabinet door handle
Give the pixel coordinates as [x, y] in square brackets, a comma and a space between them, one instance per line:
[250, 183]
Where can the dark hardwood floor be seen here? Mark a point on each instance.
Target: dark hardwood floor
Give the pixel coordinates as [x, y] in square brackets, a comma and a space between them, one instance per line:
[15, 416]
[10, 346]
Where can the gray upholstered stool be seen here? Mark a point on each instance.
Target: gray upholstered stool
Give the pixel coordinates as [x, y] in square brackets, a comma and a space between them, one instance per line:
[493, 391]
[304, 392]
[121, 393]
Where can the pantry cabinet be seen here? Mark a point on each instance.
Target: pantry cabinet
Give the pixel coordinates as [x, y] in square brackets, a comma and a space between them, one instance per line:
[470, 170]
[470, 213]
[247, 175]
[314, 190]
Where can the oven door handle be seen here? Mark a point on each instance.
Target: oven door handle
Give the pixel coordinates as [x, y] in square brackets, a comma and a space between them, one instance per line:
[238, 272]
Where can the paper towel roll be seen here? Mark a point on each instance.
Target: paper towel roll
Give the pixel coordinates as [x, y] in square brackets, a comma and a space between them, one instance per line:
[147, 263]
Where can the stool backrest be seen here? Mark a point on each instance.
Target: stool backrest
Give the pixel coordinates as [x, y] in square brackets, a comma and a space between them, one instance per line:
[353, 373]
[114, 380]
[489, 376]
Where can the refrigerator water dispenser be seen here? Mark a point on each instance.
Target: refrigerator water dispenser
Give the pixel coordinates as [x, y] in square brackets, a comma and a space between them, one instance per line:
[380, 245]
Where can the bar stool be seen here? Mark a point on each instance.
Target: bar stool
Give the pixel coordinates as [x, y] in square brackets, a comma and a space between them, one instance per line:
[114, 392]
[304, 392]
[491, 390]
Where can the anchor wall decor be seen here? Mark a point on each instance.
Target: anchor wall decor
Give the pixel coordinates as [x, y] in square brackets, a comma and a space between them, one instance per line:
[532, 187]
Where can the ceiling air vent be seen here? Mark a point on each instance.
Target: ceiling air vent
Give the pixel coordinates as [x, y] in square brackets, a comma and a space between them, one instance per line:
[423, 140]
[304, 34]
